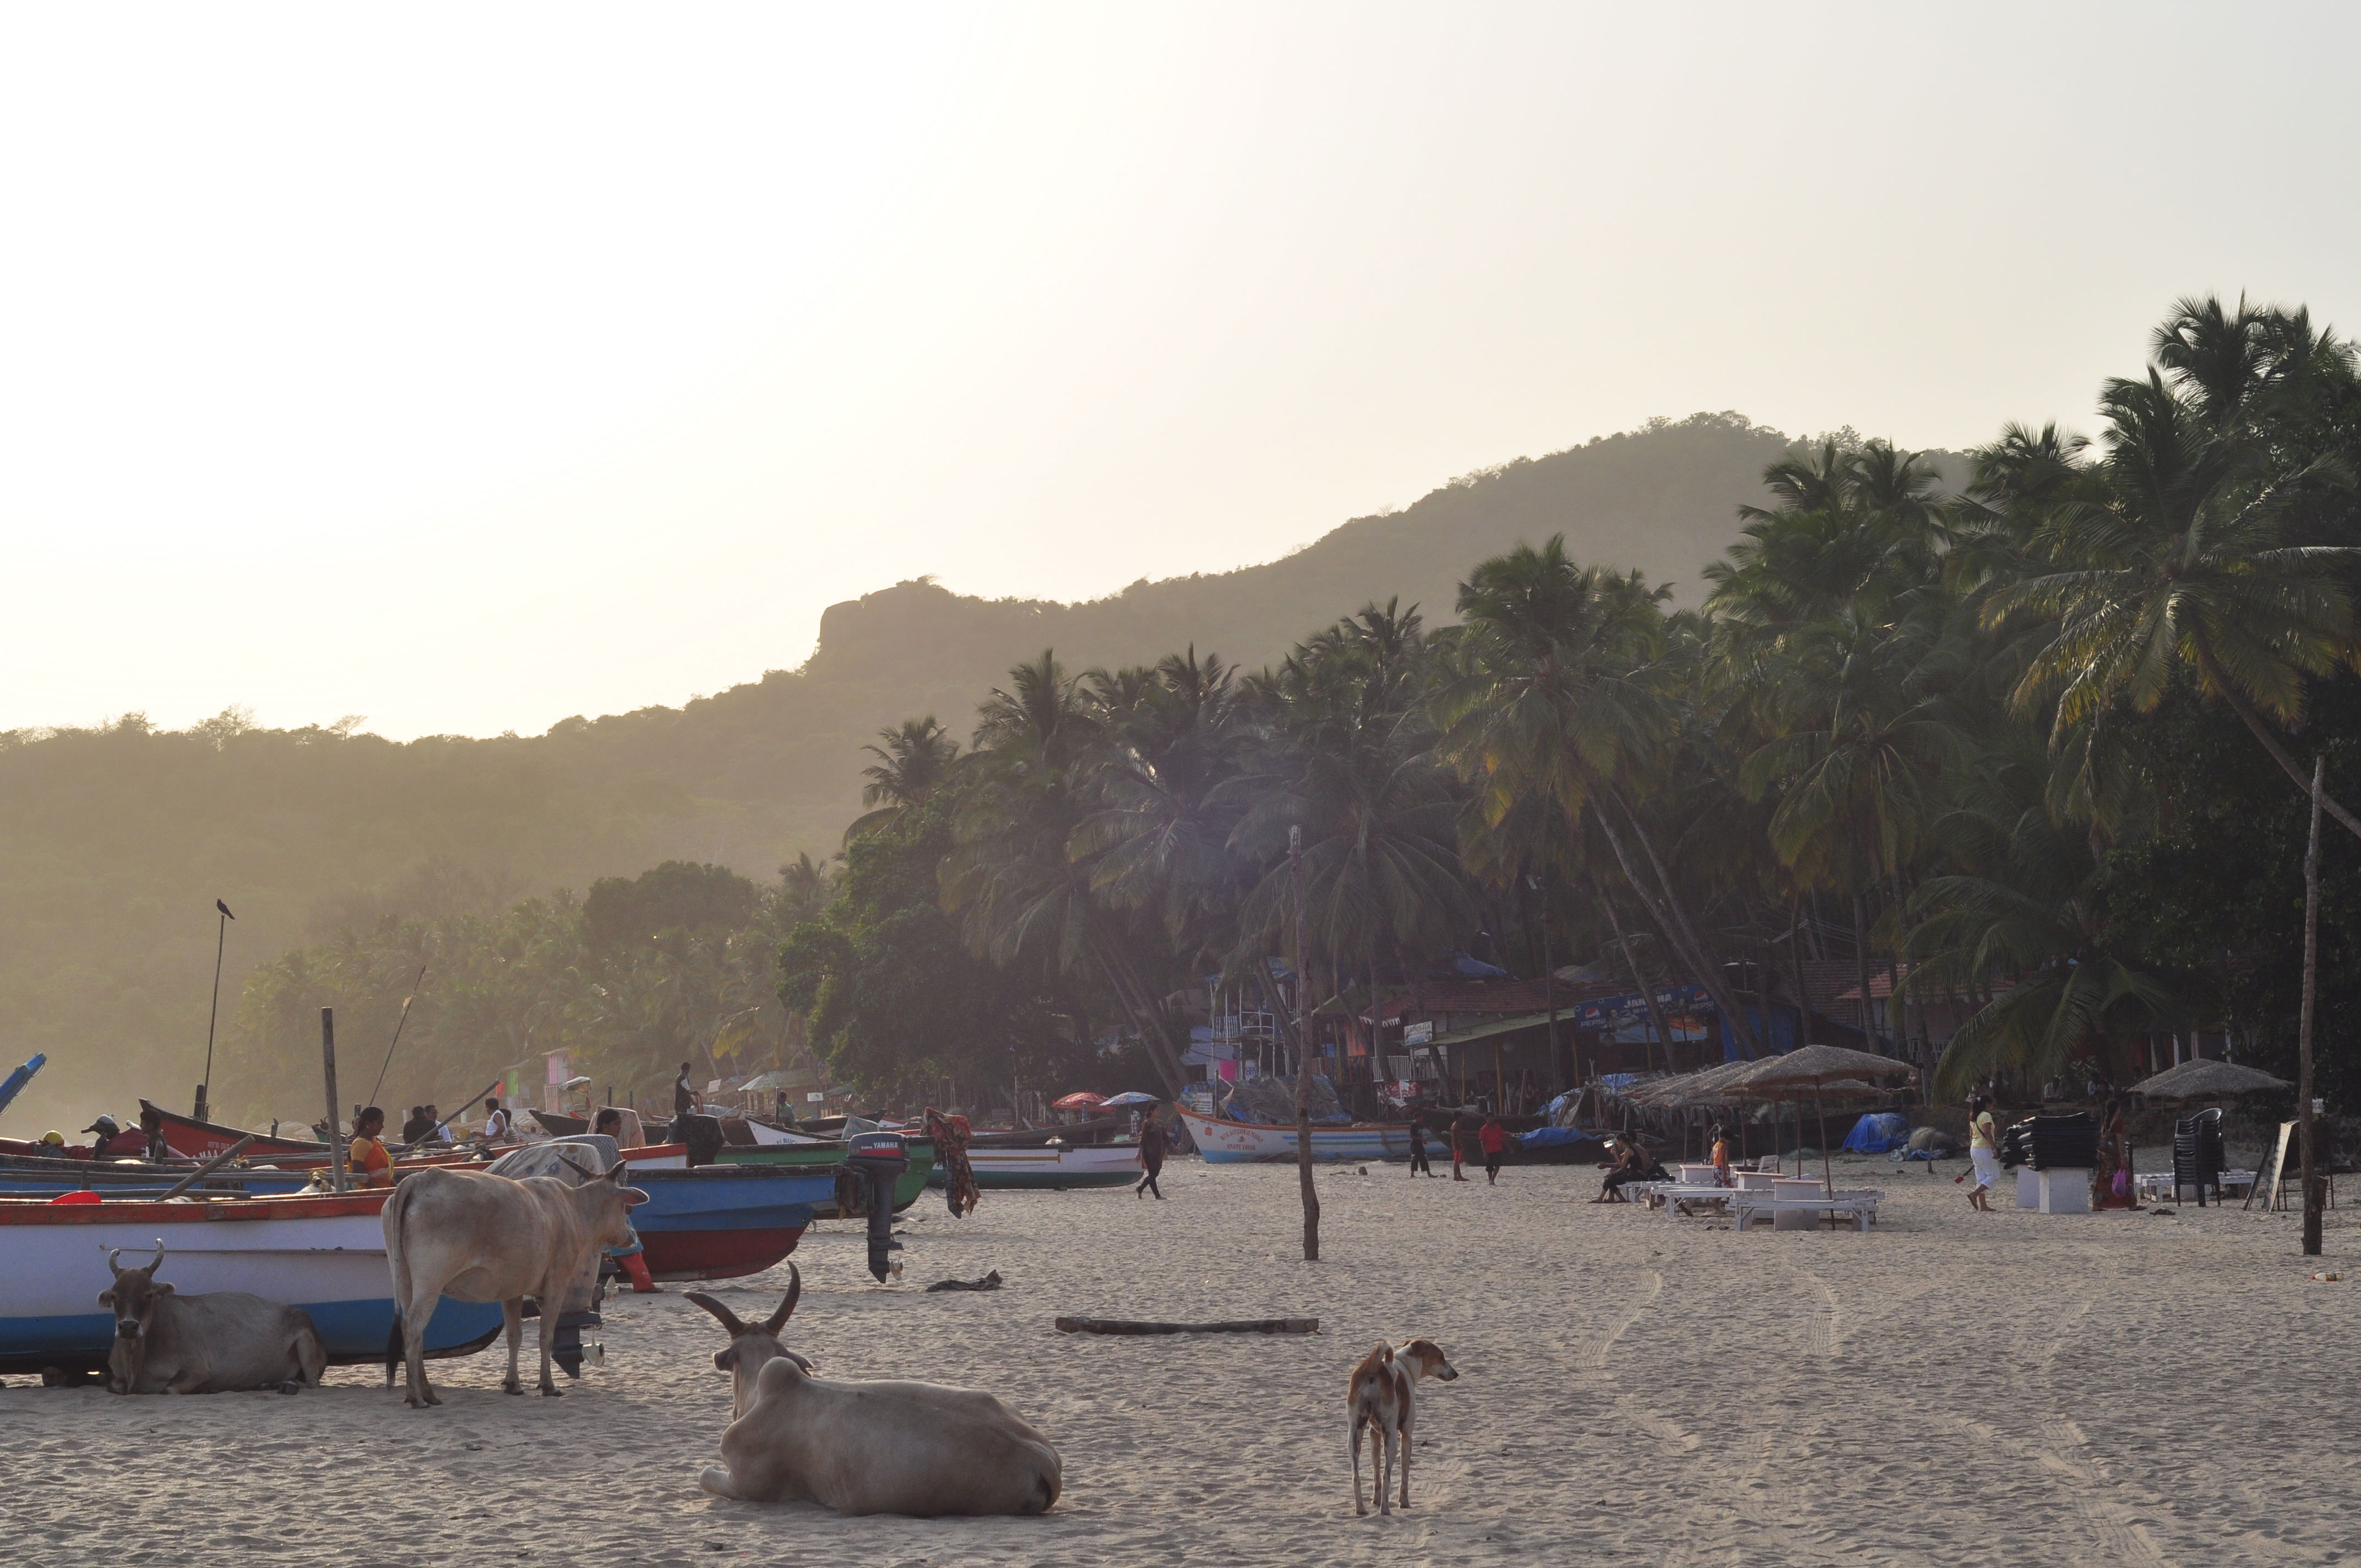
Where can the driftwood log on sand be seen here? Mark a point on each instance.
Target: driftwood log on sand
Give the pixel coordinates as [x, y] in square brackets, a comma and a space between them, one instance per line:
[1244, 1326]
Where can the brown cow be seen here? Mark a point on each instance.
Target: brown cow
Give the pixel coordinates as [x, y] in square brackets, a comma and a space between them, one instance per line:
[214, 1344]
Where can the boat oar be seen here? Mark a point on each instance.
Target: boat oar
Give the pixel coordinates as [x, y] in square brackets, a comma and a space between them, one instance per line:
[210, 1166]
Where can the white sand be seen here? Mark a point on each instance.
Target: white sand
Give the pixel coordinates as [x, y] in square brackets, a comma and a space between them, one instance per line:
[1950, 1388]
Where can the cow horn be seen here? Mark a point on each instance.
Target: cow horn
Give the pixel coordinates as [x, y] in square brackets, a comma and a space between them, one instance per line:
[729, 1318]
[778, 1319]
[160, 1256]
[115, 1260]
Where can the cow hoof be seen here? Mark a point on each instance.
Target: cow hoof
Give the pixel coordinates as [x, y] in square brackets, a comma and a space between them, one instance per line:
[292, 1386]
[552, 1391]
[511, 1388]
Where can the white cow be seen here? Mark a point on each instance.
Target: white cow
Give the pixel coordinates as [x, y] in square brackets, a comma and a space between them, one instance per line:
[868, 1448]
[477, 1238]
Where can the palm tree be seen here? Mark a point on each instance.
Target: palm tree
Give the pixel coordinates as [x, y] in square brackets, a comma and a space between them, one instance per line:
[2176, 569]
[916, 758]
[1545, 696]
[2028, 913]
[1013, 875]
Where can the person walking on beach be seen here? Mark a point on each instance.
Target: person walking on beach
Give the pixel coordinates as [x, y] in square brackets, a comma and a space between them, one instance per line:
[1418, 1161]
[1495, 1139]
[1458, 1136]
[1151, 1156]
[372, 1165]
[1983, 1151]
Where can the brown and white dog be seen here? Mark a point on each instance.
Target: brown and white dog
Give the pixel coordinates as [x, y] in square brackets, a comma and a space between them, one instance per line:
[1378, 1399]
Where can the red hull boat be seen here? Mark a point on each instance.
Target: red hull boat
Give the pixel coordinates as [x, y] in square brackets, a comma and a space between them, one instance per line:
[203, 1140]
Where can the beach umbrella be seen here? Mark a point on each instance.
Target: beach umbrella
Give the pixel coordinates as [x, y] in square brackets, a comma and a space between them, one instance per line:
[1817, 1067]
[1081, 1099]
[2203, 1080]
[1127, 1100]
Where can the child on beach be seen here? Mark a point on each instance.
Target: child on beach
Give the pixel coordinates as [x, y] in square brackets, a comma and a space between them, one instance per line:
[1721, 1156]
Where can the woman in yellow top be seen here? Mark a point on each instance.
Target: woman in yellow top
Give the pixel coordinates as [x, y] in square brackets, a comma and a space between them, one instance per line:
[371, 1164]
[1983, 1151]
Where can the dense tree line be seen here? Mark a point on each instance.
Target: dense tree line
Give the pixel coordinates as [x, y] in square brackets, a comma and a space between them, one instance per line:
[2040, 741]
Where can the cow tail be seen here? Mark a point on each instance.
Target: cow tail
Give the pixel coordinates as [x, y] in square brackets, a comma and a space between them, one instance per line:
[397, 1210]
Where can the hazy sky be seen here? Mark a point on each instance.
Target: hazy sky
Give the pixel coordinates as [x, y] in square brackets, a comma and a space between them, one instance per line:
[471, 367]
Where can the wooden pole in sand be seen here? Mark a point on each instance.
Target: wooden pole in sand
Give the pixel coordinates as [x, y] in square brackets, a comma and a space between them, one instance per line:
[1302, 1057]
[335, 1127]
[2303, 1033]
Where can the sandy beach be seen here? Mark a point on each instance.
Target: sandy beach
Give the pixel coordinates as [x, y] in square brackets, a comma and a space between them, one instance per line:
[1951, 1388]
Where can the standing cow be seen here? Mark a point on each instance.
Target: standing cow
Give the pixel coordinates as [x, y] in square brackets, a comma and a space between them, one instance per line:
[215, 1343]
[475, 1237]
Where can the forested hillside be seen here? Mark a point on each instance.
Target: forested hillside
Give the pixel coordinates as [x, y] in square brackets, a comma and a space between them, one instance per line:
[118, 840]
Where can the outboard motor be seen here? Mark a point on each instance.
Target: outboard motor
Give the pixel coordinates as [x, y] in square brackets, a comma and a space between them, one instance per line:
[878, 1159]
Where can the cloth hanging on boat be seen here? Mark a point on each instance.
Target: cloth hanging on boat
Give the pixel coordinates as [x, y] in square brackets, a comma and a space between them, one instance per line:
[950, 1136]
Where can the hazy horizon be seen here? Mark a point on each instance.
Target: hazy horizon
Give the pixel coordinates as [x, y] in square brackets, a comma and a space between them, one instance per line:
[471, 370]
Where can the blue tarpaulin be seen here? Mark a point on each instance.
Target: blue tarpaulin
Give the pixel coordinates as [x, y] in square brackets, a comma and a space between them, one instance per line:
[1878, 1131]
[1555, 1137]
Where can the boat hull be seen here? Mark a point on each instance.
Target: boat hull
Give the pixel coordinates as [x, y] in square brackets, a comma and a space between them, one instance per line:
[203, 1140]
[325, 1255]
[725, 1222]
[1233, 1143]
[1054, 1169]
[906, 1186]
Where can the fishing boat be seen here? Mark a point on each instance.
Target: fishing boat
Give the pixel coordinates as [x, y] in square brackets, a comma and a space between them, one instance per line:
[325, 1254]
[724, 1221]
[1225, 1142]
[829, 1153]
[203, 1140]
[1053, 1166]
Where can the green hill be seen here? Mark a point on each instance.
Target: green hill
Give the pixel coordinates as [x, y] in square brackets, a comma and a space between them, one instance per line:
[118, 841]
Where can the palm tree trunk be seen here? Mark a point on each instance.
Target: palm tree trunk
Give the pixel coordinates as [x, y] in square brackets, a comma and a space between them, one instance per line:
[2254, 722]
[1149, 1020]
[1647, 989]
[1676, 928]
[1796, 964]
[1897, 1010]
[1309, 1189]
[1861, 969]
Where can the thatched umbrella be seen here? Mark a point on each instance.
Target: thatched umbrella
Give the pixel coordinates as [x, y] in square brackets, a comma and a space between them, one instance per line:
[1819, 1066]
[2203, 1080]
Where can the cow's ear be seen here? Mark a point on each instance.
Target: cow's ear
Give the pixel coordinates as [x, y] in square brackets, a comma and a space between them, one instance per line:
[725, 1359]
[161, 1288]
[106, 1298]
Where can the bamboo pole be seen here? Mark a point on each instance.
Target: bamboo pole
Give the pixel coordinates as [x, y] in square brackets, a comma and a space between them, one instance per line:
[1302, 1058]
[335, 1125]
[2303, 1034]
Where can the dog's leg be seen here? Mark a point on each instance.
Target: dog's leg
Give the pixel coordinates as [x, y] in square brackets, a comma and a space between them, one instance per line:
[1353, 1445]
[1382, 1439]
[1408, 1414]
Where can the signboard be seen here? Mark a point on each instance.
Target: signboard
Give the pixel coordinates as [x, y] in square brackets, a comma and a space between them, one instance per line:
[1419, 1034]
[1608, 1011]
[2265, 1190]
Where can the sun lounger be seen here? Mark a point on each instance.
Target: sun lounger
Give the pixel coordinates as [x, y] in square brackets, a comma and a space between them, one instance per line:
[1860, 1207]
[1674, 1198]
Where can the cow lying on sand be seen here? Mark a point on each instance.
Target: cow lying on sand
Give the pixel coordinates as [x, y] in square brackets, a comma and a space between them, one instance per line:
[752, 1347]
[475, 1237]
[215, 1343]
[868, 1448]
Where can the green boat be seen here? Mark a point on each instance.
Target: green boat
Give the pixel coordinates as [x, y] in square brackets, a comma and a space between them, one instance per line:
[906, 1186]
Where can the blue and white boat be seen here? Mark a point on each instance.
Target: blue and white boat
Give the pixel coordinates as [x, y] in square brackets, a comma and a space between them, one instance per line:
[1226, 1142]
[323, 1254]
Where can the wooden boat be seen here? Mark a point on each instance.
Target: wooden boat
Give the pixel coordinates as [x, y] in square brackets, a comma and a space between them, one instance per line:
[1053, 1167]
[1224, 1142]
[325, 1255]
[723, 1222]
[829, 1154]
[203, 1140]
